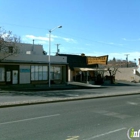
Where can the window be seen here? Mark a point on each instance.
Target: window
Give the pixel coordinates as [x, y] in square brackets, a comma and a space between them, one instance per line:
[56, 73]
[36, 72]
[32, 73]
[2, 74]
[39, 72]
[28, 52]
[45, 72]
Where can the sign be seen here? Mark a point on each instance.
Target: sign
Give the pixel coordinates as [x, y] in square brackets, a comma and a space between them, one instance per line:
[24, 70]
[97, 60]
[133, 134]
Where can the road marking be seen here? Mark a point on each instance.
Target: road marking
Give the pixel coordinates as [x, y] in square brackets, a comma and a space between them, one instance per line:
[117, 115]
[112, 114]
[29, 119]
[132, 103]
[107, 133]
[73, 138]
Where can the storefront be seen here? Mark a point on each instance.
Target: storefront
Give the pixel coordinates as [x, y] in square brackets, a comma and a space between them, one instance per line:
[85, 69]
[30, 66]
[31, 74]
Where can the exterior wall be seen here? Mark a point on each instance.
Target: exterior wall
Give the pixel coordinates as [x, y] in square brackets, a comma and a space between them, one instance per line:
[64, 74]
[70, 75]
[33, 48]
[24, 76]
[27, 56]
[126, 74]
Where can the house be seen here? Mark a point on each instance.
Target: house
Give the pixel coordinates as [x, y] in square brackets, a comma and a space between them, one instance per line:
[29, 65]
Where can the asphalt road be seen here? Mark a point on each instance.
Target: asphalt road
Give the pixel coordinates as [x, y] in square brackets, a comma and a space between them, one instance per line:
[22, 96]
[94, 119]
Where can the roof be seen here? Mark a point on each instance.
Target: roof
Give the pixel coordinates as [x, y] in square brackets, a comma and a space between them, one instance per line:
[77, 61]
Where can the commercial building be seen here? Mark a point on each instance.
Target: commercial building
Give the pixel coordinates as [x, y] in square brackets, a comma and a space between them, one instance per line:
[83, 68]
[29, 65]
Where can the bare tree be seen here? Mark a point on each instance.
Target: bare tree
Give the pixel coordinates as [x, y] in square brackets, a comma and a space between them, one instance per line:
[8, 44]
[112, 69]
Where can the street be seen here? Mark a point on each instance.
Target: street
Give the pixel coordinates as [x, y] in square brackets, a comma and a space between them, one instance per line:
[99, 119]
[25, 97]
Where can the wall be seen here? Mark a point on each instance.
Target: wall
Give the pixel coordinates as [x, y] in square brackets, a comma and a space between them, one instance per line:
[70, 75]
[24, 76]
[126, 74]
[34, 49]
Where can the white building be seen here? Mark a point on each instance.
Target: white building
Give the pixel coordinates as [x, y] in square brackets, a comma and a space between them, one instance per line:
[29, 65]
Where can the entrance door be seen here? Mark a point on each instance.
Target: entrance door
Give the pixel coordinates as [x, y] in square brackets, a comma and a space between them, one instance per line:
[14, 77]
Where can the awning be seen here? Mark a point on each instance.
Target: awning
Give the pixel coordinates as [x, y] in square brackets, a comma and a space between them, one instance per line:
[89, 69]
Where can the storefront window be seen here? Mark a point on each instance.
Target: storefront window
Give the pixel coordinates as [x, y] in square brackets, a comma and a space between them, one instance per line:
[36, 72]
[56, 73]
[45, 72]
[52, 73]
[39, 72]
[2, 74]
[32, 73]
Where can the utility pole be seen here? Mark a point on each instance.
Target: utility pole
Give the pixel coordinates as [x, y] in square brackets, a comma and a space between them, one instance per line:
[57, 48]
[127, 59]
[33, 45]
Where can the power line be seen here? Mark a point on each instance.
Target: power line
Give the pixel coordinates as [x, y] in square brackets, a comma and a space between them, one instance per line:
[40, 28]
[26, 26]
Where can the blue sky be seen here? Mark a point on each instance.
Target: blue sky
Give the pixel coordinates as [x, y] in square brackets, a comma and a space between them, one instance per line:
[93, 27]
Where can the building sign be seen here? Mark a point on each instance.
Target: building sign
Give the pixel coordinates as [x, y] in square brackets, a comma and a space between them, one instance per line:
[97, 60]
[24, 70]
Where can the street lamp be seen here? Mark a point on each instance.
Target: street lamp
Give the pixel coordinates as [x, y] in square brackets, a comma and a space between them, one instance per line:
[49, 59]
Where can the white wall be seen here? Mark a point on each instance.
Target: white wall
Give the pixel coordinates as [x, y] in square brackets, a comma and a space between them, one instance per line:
[70, 75]
[24, 74]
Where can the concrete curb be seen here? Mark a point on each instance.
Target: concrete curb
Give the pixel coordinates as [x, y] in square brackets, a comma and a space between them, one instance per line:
[35, 102]
[49, 89]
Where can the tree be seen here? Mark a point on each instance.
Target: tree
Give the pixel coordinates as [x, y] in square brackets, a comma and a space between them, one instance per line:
[112, 69]
[8, 44]
[114, 59]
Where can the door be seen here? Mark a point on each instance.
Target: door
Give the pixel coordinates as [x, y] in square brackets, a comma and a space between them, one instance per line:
[8, 77]
[14, 77]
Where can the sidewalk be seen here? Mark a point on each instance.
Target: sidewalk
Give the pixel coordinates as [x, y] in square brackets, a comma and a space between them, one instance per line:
[29, 87]
[58, 93]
